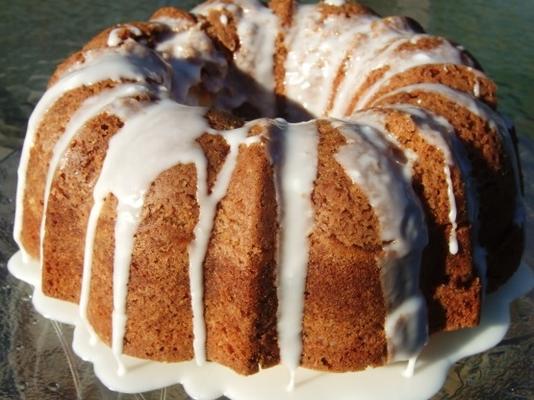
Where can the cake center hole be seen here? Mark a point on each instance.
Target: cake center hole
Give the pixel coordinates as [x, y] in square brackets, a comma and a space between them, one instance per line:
[283, 107]
[240, 95]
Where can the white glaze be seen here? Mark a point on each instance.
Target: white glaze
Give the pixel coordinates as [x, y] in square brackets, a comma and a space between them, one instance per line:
[294, 154]
[123, 175]
[234, 8]
[337, 3]
[87, 111]
[495, 121]
[453, 240]
[316, 49]
[154, 130]
[439, 133]
[93, 106]
[257, 32]
[387, 183]
[361, 60]
[400, 61]
[476, 88]
[127, 221]
[410, 368]
[109, 64]
[212, 380]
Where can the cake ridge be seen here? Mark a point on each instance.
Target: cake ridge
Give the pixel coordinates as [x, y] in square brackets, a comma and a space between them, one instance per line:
[86, 112]
[482, 111]
[75, 78]
[401, 221]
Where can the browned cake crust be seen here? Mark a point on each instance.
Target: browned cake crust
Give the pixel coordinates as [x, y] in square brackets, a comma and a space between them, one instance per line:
[100, 305]
[493, 175]
[284, 9]
[420, 74]
[149, 33]
[159, 327]
[225, 34]
[240, 268]
[240, 301]
[50, 129]
[451, 285]
[69, 205]
[457, 77]
[174, 13]
[344, 311]
[348, 9]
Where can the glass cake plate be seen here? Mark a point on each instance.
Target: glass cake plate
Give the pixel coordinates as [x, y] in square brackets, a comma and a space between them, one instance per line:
[36, 358]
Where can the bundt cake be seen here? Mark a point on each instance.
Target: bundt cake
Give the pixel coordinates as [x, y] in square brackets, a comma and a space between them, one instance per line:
[252, 185]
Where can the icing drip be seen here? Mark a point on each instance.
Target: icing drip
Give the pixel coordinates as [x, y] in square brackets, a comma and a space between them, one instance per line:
[386, 182]
[199, 246]
[494, 120]
[154, 130]
[294, 153]
[476, 88]
[453, 241]
[128, 218]
[292, 378]
[89, 109]
[410, 368]
[439, 133]
[140, 65]
[125, 110]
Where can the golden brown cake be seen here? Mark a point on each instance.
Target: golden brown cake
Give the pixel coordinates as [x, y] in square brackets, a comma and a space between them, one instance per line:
[307, 185]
